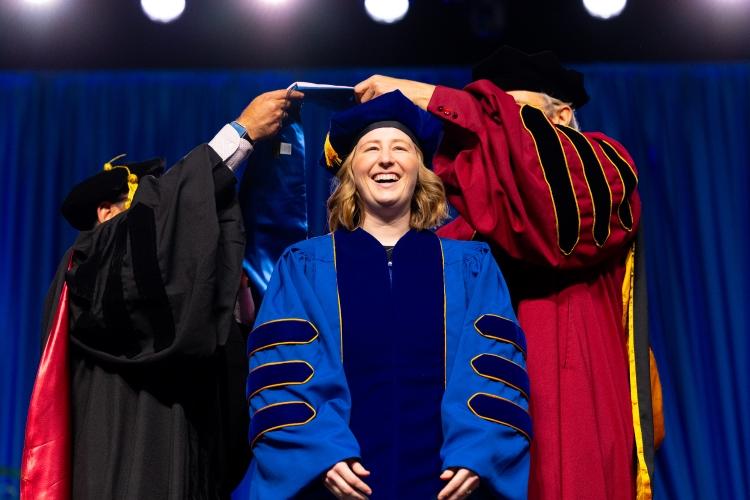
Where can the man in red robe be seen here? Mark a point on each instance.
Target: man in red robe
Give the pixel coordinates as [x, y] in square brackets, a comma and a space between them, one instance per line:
[561, 210]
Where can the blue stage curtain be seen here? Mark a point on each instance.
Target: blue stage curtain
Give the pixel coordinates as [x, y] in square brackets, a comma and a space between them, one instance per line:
[685, 125]
[688, 128]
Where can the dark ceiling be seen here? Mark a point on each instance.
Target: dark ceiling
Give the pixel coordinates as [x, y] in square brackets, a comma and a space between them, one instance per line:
[250, 34]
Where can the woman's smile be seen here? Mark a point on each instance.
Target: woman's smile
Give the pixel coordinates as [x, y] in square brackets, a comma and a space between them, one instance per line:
[386, 178]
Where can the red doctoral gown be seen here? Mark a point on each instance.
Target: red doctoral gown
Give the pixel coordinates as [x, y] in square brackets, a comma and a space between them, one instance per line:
[561, 210]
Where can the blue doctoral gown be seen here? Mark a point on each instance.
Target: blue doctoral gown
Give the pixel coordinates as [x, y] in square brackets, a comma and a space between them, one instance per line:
[411, 367]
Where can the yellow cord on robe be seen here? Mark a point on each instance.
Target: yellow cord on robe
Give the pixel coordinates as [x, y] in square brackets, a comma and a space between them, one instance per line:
[642, 479]
[132, 178]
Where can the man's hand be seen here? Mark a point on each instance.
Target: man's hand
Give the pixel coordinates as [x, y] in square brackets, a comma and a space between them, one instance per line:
[263, 116]
[461, 483]
[343, 480]
[419, 93]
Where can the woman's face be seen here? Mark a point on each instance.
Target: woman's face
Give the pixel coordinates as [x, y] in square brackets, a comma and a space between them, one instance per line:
[385, 167]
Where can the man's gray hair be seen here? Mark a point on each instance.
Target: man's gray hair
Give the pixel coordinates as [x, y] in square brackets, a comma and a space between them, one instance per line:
[551, 105]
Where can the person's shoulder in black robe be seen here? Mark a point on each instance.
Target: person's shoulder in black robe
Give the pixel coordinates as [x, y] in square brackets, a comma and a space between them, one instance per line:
[157, 362]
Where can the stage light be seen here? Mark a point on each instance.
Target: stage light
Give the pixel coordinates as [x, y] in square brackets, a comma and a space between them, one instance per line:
[40, 2]
[387, 11]
[604, 9]
[163, 11]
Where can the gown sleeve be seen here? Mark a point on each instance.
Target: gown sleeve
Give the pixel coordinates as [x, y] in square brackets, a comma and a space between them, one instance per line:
[545, 194]
[486, 424]
[159, 281]
[297, 392]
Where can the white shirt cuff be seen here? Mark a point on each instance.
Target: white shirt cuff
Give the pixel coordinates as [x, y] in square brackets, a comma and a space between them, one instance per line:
[228, 145]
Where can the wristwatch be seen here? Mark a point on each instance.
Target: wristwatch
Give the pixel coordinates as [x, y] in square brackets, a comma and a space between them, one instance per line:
[243, 132]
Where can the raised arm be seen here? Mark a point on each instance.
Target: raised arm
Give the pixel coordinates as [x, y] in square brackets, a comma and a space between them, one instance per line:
[546, 194]
[164, 283]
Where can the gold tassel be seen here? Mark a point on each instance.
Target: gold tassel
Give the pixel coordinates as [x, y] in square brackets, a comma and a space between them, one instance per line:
[132, 178]
[332, 157]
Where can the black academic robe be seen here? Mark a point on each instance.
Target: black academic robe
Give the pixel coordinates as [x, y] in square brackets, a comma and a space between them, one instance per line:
[157, 362]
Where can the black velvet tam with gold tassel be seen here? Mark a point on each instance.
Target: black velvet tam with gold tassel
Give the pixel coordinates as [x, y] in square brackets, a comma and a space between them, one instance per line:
[116, 182]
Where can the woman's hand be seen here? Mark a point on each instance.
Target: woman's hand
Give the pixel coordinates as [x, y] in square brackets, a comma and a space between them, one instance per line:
[461, 483]
[343, 480]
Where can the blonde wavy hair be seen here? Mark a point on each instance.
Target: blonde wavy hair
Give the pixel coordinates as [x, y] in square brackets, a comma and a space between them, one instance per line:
[429, 207]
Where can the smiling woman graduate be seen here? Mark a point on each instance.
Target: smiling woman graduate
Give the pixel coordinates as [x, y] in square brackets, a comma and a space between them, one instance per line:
[387, 362]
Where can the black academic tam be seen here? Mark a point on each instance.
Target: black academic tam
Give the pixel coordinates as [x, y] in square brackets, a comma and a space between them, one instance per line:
[513, 69]
[111, 184]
